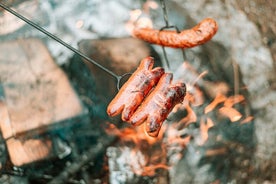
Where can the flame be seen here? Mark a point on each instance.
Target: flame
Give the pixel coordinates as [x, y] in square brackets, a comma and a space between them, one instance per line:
[204, 127]
[133, 134]
[232, 100]
[227, 110]
[145, 156]
[231, 113]
[219, 99]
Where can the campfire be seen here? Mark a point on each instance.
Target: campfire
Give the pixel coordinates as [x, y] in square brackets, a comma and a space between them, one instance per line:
[122, 92]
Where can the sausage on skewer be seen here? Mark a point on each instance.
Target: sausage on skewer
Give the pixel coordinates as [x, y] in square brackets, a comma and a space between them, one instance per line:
[133, 92]
[158, 104]
[198, 35]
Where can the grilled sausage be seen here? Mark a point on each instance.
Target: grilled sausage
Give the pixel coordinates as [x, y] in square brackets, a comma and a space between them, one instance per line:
[158, 104]
[198, 35]
[133, 92]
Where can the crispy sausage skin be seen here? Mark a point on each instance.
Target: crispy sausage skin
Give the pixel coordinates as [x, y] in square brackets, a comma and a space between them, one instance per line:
[133, 92]
[198, 35]
[158, 104]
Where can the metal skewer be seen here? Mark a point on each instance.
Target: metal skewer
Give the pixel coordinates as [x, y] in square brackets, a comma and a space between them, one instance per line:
[167, 25]
[36, 26]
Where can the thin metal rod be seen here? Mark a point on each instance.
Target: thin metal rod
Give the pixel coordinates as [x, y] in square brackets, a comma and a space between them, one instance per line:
[167, 25]
[165, 14]
[166, 57]
[31, 23]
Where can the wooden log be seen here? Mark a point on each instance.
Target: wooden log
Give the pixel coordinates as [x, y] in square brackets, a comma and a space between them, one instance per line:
[27, 151]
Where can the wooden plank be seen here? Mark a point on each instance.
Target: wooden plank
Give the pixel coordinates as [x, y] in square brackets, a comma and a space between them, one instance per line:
[37, 92]
[30, 150]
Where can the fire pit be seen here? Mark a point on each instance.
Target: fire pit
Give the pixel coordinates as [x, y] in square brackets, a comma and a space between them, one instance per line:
[54, 126]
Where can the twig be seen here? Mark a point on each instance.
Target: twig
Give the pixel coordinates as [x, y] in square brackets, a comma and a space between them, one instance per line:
[84, 159]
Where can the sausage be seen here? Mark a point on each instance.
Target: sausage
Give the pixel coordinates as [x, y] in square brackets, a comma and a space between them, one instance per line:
[158, 104]
[198, 35]
[133, 92]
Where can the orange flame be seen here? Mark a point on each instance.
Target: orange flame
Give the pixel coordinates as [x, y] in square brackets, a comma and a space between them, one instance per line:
[231, 113]
[219, 99]
[204, 127]
[227, 110]
[233, 100]
[133, 134]
[141, 162]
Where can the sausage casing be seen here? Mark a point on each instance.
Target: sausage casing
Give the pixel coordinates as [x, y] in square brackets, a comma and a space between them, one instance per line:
[133, 92]
[198, 35]
[158, 104]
